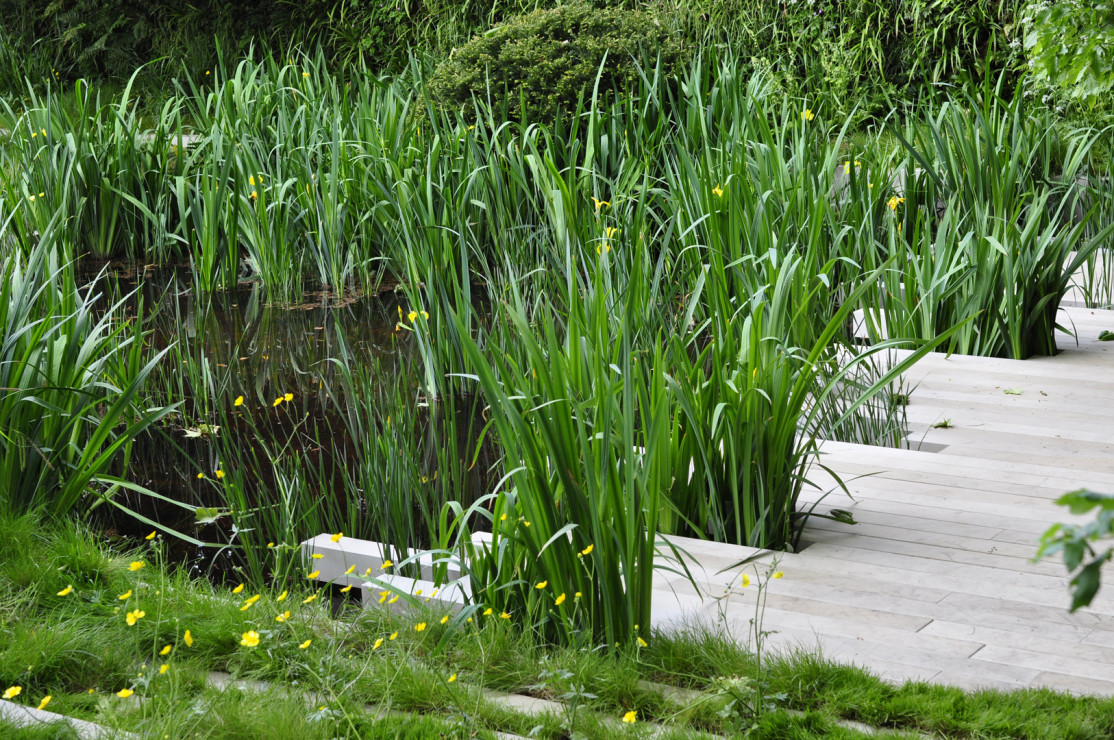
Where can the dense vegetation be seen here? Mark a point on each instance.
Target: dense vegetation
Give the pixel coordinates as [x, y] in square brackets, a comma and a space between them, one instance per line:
[627, 280]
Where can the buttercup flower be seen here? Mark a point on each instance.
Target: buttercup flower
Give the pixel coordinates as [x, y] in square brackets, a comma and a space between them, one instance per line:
[452, 678]
[314, 574]
[542, 585]
[239, 401]
[238, 589]
[66, 591]
[336, 537]
[12, 692]
[717, 191]
[166, 650]
[745, 580]
[249, 638]
[305, 645]
[807, 115]
[124, 693]
[587, 550]
[378, 644]
[134, 616]
[283, 617]
[631, 717]
[152, 535]
[560, 600]
[163, 668]
[45, 701]
[137, 565]
[777, 574]
[419, 627]
[188, 639]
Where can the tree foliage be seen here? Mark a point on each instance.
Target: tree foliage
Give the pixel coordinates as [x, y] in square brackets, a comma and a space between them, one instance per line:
[1070, 44]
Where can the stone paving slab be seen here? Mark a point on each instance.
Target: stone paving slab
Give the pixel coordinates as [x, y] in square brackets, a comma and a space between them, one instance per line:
[22, 716]
[937, 583]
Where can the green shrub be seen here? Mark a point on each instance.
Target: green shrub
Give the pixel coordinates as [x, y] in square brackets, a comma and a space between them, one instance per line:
[546, 59]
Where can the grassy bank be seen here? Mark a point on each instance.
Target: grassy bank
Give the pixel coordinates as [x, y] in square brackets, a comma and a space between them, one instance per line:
[79, 649]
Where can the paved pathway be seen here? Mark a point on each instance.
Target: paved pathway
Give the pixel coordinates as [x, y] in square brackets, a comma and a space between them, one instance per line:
[936, 581]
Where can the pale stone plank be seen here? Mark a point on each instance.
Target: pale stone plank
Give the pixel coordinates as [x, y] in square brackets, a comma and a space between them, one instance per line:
[1014, 656]
[22, 716]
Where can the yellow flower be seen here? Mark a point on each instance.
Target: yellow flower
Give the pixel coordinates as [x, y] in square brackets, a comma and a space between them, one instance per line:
[250, 601]
[610, 231]
[281, 597]
[134, 616]
[587, 550]
[350, 571]
[44, 702]
[378, 644]
[249, 638]
[445, 619]
[560, 600]
[200, 476]
[163, 668]
[542, 585]
[66, 591]
[305, 74]
[383, 596]
[251, 181]
[152, 535]
[452, 678]
[504, 615]
[745, 580]
[137, 565]
[124, 693]
[288, 397]
[346, 589]
[411, 316]
[600, 203]
[894, 202]
[717, 191]
[317, 556]
[220, 474]
[166, 650]
[239, 401]
[308, 599]
[807, 115]
[419, 627]
[392, 636]
[631, 717]
[577, 596]
[283, 617]
[386, 564]
[368, 571]
[396, 599]
[336, 537]
[305, 645]
[314, 574]
[277, 402]
[188, 639]
[238, 589]
[777, 574]
[12, 692]
[270, 545]
[641, 642]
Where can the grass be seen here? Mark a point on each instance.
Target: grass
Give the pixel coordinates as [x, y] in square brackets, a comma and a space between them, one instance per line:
[78, 649]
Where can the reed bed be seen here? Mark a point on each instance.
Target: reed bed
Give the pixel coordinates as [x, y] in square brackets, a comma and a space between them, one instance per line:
[635, 320]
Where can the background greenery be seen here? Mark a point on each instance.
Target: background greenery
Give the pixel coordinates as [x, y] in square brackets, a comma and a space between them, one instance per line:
[866, 52]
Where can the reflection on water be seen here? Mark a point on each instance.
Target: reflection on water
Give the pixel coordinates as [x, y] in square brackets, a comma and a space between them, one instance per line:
[225, 345]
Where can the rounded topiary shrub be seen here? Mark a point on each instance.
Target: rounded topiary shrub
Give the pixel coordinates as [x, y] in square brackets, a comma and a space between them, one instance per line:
[546, 59]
